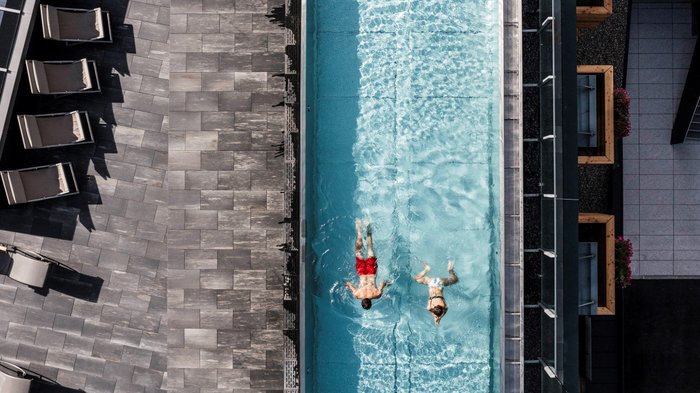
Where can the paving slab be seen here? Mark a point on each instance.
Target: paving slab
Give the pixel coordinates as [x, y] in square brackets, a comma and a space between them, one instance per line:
[212, 155]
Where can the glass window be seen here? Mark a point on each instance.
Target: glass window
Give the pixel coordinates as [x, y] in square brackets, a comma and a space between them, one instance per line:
[548, 217]
[546, 51]
[547, 167]
[545, 10]
[547, 266]
[550, 385]
[13, 4]
[548, 332]
[586, 92]
[547, 109]
[8, 30]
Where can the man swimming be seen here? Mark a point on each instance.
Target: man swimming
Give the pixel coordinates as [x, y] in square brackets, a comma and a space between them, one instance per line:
[436, 301]
[366, 270]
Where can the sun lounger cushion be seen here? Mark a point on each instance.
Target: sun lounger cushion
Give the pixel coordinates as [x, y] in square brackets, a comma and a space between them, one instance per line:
[68, 77]
[61, 24]
[63, 186]
[48, 78]
[46, 131]
[81, 25]
[33, 184]
[45, 182]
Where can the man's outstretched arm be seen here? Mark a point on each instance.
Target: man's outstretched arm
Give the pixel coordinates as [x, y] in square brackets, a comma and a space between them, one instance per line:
[351, 287]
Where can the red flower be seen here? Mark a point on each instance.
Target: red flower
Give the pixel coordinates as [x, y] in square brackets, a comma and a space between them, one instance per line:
[623, 261]
[622, 112]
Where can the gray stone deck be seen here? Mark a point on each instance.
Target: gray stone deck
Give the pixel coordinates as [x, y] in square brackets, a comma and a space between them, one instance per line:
[178, 214]
[661, 182]
[114, 230]
[225, 197]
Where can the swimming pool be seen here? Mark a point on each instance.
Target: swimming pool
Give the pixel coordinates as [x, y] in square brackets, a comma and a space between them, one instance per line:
[402, 128]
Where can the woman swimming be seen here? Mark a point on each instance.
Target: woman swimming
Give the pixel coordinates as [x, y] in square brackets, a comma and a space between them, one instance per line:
[436, 301]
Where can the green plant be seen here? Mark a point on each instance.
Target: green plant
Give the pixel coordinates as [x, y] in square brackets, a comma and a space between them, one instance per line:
[622, 113]
[623, 260]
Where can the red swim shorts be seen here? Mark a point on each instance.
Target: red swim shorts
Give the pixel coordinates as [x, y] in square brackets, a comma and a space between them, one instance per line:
[366, 266]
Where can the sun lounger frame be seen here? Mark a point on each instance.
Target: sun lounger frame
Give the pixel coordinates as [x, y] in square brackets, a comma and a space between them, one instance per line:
[106, 26]
[84, 121]
[92, 66]
[73, 186]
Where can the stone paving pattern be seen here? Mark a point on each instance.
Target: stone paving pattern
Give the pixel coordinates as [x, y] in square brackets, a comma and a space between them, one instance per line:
[225, 197]
[115, 229]
[183, 184]
[181, 200]
[185, 151]
[661, 181]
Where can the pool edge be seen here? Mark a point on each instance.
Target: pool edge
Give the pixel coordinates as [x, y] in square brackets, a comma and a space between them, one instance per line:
[302, 198]
[512, 306]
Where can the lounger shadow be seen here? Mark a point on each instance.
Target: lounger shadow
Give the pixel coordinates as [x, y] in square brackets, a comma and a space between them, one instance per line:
[39, 183]
[75, 25]
[55, 129]
[62, 77]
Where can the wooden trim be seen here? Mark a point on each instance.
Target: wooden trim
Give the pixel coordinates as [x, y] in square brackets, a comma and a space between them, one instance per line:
[609, 220]
[593, 16]
[608, 156]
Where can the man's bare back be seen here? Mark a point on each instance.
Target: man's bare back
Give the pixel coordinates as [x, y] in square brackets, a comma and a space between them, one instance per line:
[367, 288]
[366, 270]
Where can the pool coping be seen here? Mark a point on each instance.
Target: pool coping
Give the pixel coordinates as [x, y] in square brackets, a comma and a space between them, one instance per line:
[302, 196]
[512, 267]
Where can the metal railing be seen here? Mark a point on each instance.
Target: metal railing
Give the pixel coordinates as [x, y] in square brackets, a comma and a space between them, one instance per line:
[548, 197]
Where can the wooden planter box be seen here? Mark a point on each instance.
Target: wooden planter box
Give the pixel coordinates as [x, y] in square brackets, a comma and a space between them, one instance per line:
[606, 264]
[591, 16]
[605, 153]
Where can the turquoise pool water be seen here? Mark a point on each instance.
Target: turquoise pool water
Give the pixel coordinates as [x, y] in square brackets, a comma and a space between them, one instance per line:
[403, 129]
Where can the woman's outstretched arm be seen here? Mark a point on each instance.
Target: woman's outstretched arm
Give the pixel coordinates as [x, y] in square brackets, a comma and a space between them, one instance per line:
[452, 277]
[421, 277]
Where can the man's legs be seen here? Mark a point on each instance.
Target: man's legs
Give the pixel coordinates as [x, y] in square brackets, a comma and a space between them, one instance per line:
[358, 241]
[370, 250]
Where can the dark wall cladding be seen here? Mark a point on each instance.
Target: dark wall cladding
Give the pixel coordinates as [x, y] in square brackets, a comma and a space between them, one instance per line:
[660, 336]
